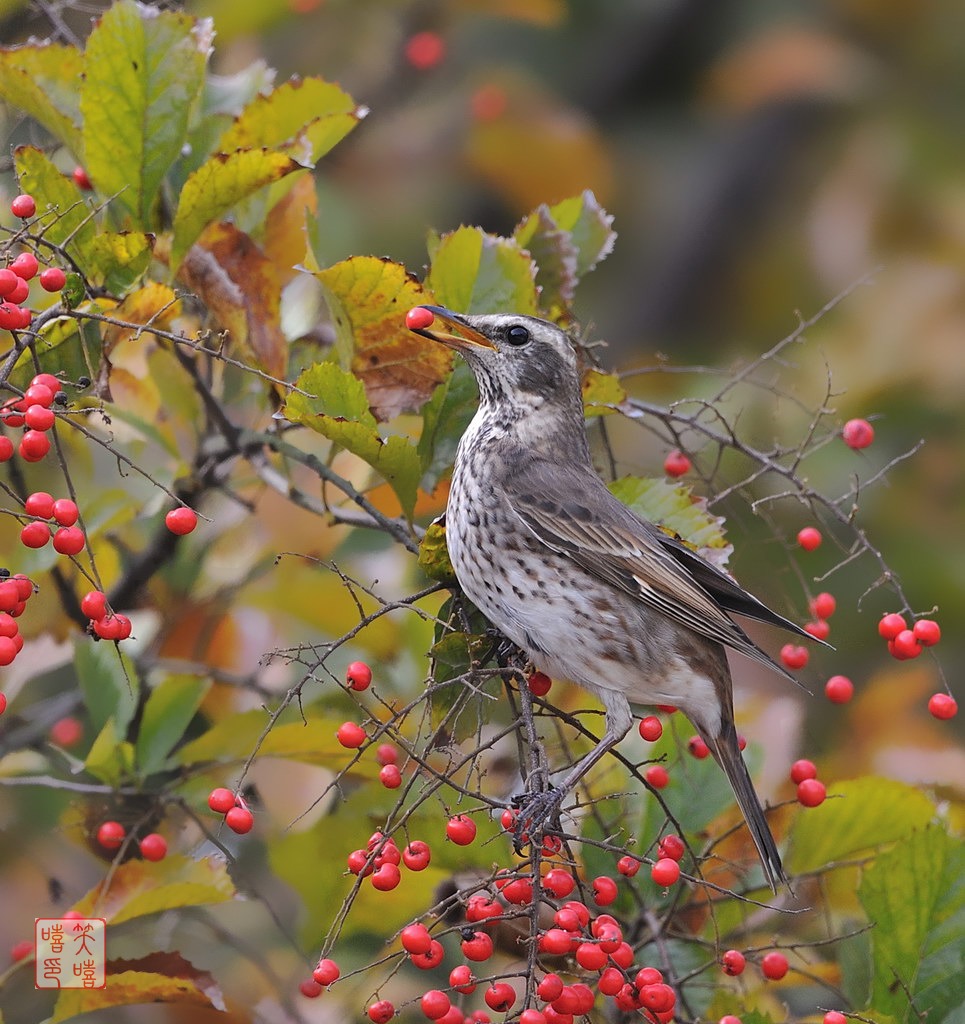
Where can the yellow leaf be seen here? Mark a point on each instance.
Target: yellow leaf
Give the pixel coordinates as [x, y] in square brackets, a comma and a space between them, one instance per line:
[41, 80]
[154, 304]
[602, 391]
[286, 235]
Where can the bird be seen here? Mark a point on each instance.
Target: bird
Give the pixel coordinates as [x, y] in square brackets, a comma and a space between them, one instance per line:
[589, 591]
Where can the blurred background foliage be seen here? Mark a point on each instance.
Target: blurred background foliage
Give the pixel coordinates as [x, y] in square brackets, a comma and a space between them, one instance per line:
[758, 159]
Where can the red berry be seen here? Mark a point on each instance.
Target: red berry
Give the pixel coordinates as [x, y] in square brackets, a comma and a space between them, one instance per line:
[386, 877]
[181, 520]
[310, 988]
[927, 632]
[69, 540]
[390, 776]
[809, 538]
[628, 866]
[676, 464]
[65, 732]
[38, 394]
[34, 445]
[25, 266]
[549, 988]
[774, 966]
[48, 380]
[40, 504]
[532, 1016]
[478, 947]
[35, 535]
[802, 770]
[733, 962]
[154, 847]
[657, 776]
[8, 281]
[381, 1012]
[8, 625]
[10, 317]
[824, 605]
[416, 855]
[239, 820]
[19, 296]
[25, 587]
[555, 941]
[81, 180]
[23, 206]
[6, 448]
[110, 835]
[429, 961]
[435, 1004]
[698, 747]
[839, 689]
[729, 1018]
[819, 629]
[905, 646]
[66, 512]
[425, 50]
[481, 908]
[811, 793]
[604, 891]
[94, 604]
[858, 434]
[488, 102]
[8, 650]
[461, 830]
[358, 676]
[3, 703]
[418, 318]
[671, 846]
[221, 800]
[500, 997]
[385, 754]
[112, 627]
[462, 980]
[590, 957]
[891, 625]
[560, 882]
[943, 706]
[38, 418]
[350, 735]
[539, 684]
[52, 279]
[794, 656]
[519, 891]
[834, 1017]
[651, 728]
[665, 872]
[415, 938]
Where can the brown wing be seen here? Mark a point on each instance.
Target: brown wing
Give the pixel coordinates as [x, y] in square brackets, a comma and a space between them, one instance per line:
[570, 510]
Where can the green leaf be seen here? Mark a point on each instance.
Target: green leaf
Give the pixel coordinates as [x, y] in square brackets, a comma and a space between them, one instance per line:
[167, 712]
[434, 555]
[677, 510]
[116, 260]
[137, 887]
[444, 420]
[217, 185]
[309, 113]
[41, 80]
[601, 392]
[590, 229]
[110, 758]
[59, 201]
[143, 74]
[108, 682]
[915, 896]
[868, 812]
[475, 272]
[340, 412]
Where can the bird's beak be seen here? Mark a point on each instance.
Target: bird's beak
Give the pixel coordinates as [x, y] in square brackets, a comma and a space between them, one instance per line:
[468, 337]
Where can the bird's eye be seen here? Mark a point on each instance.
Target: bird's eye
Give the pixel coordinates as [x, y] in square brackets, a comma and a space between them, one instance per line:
[517, 335]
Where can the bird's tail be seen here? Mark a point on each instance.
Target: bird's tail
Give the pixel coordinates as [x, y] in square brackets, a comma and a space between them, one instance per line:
[726, 751]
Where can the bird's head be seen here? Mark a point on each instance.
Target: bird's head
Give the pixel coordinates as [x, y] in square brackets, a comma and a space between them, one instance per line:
[520, 362]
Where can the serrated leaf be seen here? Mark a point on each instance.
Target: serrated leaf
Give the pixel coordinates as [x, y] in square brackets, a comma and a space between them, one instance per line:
[590, 227]
[601, 392]
[136, 888]
[168, 710]
[444, 420]
[869, 813]
[300, 111]
[41, 80]
[340, 412]
[368, 298]
[116, 260]
[108, 682]
[143, 74]
[242, 289]
[915, 896]
[59, 201]
[219, 183]
[475, 272]
[434, 555]
[675, 508]
[156, 978]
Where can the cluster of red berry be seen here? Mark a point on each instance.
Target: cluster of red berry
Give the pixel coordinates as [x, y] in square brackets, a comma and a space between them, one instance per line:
[111, 835]
[237, 815]
[905, 643]
[381, 858]
[15, 592]
[811, 792]
[651, 729]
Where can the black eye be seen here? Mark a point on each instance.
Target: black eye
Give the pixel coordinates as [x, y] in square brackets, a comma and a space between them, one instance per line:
[517, 335]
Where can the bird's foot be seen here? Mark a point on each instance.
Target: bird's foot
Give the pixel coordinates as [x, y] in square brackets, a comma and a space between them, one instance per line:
[535, 813]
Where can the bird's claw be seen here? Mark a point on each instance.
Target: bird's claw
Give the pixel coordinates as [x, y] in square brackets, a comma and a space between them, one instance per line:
[535, 812]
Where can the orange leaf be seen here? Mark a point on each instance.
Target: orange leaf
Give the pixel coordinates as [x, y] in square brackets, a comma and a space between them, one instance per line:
[286, 240]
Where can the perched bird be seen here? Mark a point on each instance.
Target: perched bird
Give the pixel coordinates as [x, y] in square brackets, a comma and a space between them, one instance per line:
[587, 589]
